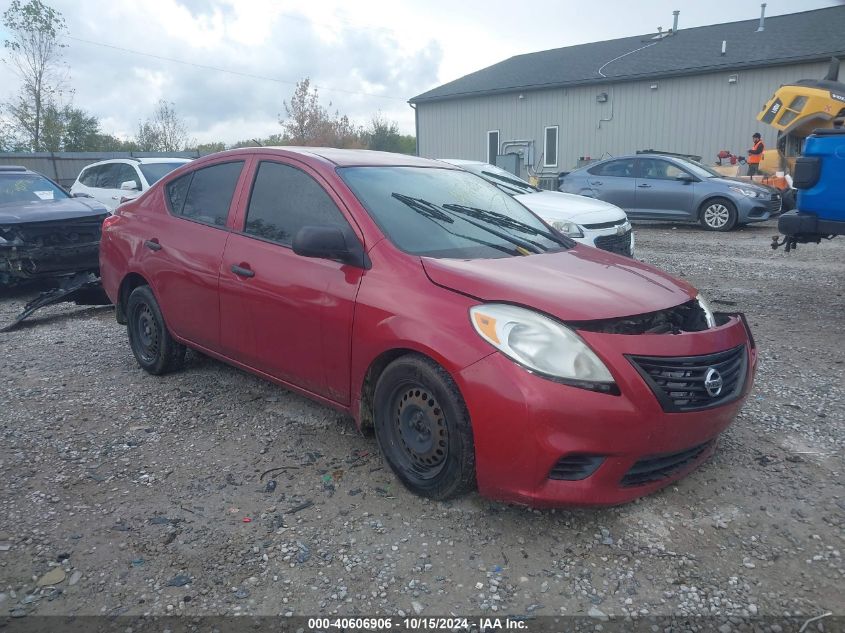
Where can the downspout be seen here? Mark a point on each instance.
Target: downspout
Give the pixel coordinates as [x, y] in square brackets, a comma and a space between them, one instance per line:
[416, 129]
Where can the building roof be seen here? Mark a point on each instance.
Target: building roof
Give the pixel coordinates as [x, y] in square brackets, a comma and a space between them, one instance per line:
[796, 37]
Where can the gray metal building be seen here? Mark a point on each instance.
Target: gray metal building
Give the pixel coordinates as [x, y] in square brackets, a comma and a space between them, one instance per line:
[694, 91]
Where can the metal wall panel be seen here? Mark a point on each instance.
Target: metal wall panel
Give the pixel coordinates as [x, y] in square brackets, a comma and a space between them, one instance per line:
[697, 114]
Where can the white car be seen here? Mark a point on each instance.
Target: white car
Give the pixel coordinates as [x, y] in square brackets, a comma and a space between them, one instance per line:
[586, 220]
[119, 179]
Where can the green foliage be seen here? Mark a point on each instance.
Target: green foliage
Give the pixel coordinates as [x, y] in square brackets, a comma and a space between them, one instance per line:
[34, 53]
[383, 135]
[309, 123]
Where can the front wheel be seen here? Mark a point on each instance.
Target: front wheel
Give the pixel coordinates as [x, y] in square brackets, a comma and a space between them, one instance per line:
[718, 215]
[154, 348]
[423, 428]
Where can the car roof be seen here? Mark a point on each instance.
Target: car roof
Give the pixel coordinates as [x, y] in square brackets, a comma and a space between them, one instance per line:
[462, 161]
[337, 157]
[140, 160]
[18, 169]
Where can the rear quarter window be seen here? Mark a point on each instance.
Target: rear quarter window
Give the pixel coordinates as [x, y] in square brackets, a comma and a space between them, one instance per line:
[205, 195]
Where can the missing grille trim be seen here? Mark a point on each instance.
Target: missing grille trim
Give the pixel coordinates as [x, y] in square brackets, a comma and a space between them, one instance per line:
[687, 317]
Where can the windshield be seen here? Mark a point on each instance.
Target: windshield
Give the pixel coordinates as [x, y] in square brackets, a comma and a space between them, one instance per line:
[448, 213]
[21, 188]
[701, 170]
[154, 171]
[503, 179]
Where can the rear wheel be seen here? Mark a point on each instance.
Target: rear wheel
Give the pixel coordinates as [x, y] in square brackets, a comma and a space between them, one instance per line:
[154, 348]
[718, 214]
[423, 428]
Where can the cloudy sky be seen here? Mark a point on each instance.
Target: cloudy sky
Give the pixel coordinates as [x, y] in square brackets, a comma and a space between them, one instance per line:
[366, 56]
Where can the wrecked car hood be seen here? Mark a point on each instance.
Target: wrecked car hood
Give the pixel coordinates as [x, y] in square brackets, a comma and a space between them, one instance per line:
[579, 284]
[50, 211]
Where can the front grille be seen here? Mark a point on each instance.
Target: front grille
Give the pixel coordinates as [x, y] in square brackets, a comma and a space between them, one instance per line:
[575, 467]
[658, 467]
[605, 225]
[619, 244]
[774, 205]
[61, 232]
[687, 383]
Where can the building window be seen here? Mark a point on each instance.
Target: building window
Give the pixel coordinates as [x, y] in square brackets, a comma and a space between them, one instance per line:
[550, 151]
[492, 146]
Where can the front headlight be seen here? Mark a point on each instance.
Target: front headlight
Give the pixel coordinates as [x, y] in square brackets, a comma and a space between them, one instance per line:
[569, 229]
[542, 345]
[751, 193]
[708, 311]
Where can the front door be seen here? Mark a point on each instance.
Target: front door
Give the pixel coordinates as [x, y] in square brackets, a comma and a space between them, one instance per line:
[660, 192]
[283, 314]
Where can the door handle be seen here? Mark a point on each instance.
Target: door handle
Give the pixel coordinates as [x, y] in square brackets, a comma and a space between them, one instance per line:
[597, 182]
[152, 244]
[644, 186]
[242, 271]
[114, 197]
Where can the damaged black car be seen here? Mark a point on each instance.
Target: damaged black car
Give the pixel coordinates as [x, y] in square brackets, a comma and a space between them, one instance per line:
[45, 233]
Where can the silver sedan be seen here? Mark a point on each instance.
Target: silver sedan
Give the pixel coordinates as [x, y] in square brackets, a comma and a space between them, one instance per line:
[661, 187]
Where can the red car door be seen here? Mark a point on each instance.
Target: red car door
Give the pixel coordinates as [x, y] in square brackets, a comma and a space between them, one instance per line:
[183, 249]
[283, 314]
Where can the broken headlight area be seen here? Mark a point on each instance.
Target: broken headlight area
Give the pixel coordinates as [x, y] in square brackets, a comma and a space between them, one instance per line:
[49, 249]
[687, 317]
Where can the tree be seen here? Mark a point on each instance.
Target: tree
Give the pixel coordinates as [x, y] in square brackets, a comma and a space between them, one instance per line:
[309, 123]
[34, 52]
[69, 129]
[165, 131]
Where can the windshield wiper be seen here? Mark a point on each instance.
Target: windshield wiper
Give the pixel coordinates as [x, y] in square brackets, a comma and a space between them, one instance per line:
[527, 245]
[513, 182]
[431, 211]
[505, 221]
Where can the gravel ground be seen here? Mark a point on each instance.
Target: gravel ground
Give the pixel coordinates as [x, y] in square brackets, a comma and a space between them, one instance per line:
[212, 492]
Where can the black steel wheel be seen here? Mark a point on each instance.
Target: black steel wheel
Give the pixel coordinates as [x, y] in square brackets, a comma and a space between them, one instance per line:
[154, 348]
[423, 428]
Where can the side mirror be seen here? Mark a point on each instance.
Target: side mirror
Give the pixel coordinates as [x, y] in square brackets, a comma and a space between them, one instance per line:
[329, 242]
[686, 178]
[129, 185]
[81, 194]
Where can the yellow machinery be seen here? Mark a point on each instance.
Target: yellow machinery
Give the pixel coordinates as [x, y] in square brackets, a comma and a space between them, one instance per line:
[795, 110]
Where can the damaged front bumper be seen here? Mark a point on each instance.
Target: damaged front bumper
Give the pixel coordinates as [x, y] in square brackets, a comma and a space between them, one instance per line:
[23, 262]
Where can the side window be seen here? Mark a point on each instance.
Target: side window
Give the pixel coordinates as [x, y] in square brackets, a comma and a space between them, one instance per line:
[107, 178]
[205, 195]
[88, 177]
[659, 169]
[550, 148]
[283, 200]
[177, 191]
[492, 146]
[124, 172]
[620, 168]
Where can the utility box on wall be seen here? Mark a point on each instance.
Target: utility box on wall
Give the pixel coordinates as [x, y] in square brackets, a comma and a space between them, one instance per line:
[509, 162]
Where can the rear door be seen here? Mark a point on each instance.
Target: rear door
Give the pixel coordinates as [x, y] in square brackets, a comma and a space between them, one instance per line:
[614, 182]
[283, 314]
[182, 250]
[660, 193]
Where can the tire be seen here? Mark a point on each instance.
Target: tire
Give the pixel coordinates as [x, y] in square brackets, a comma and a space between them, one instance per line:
[718, 214]
[154, 348]
[423, 428]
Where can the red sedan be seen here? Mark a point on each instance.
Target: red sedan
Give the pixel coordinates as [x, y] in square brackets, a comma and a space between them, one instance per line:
[483, 347]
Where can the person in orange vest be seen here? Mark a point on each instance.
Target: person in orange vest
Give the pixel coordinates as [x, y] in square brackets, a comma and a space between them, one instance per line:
[755, 154]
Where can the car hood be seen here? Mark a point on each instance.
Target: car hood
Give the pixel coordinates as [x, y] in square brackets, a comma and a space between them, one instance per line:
[747, 184]
[579, 284]
[555, 205]
[50, 210]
